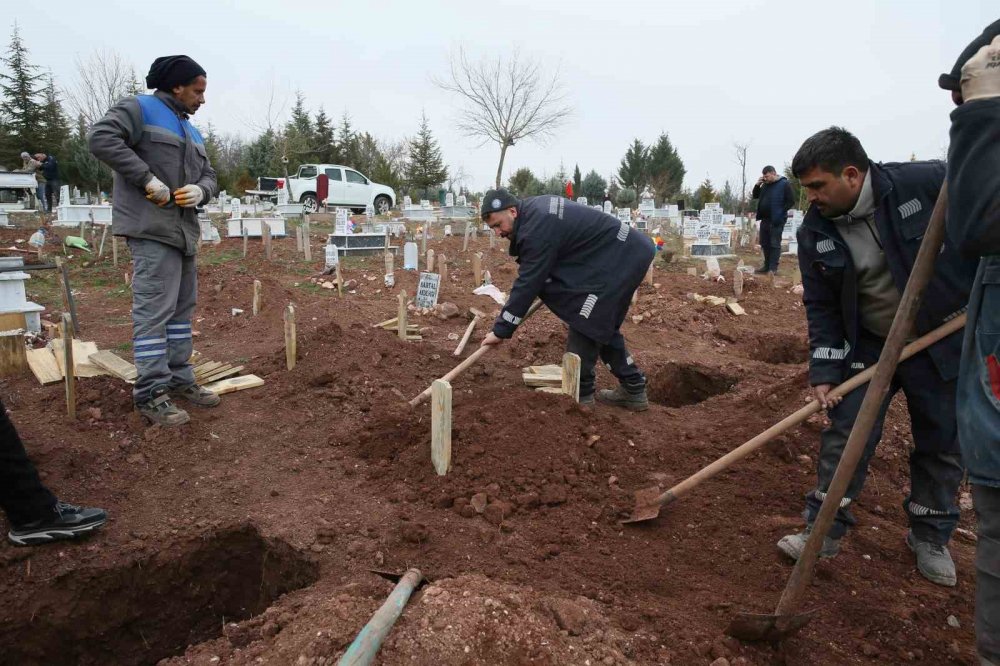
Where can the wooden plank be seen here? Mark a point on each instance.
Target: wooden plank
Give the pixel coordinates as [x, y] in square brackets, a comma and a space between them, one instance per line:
[221, 367]
[735, 308]
[387, 322]
[441, 426]
[43, 365]
[477, 269]
[442, 262]
[81, 352]
[558, 390]
[255, 303]
[207, 366]
[235, 384]
[221, 374]
[290, 339]
[265, 233]
[114, 364]
[11, 321]
[550, 369]
[67, 334]
[571, 375]
[306, 235]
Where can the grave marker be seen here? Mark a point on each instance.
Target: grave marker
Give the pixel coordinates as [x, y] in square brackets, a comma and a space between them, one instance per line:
[290, 340]
[442, 262]
[306, 244]
[441, 426]
[430, 261]
[477, 269]
[401, 315]
[265, 234]
[255, 303]
[410, 256]
[427, 290]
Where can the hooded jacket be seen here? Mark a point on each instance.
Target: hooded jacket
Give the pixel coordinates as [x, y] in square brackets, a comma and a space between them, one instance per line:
[974, 225]
[774, 200]
[904, 198]
[145, 136]
[583, 263]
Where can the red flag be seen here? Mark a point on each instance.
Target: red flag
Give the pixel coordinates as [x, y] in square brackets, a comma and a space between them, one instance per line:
[569, 189]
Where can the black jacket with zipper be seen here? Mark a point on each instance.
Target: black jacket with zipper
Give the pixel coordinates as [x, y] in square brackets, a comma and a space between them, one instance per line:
[904, 193]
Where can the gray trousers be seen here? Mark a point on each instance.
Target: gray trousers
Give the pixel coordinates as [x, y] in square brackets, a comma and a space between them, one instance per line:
[987, 501]
[935, 461]
[164, 292]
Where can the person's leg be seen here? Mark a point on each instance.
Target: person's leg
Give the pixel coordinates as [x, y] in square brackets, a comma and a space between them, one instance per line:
[23, 496]
[935, 462]
[587, 349]
[156, 282]
[179, 344]
[987, 502]
[774, 256]
[765, 245]
[621, 364]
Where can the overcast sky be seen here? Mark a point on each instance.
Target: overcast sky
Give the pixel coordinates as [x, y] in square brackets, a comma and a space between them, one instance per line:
[707, 72]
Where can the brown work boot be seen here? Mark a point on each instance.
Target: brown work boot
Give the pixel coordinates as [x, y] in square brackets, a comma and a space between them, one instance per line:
[197, 395]
[619, 397]
[161, 410]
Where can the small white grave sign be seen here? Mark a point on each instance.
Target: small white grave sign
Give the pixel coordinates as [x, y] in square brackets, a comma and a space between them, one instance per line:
[608, 207]
[410, 256]
[447, 230]
[582, 201]
[625, 214]
[449, 200]
[427, 290]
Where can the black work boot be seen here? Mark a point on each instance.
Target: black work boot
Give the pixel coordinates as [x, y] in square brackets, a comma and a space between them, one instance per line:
[196, 395]
[160, 409]
[66, 521]
[619, 397]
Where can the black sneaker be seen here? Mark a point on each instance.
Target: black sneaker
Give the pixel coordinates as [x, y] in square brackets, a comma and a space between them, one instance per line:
[196, 395]
[161, 410]
[67, 521]
[619, 397]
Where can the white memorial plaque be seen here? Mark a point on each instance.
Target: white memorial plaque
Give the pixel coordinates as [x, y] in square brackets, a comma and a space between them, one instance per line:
[582, 201]
[341, 222]
[410, 256]
[427, 290]
[449, 200]
[407, 202]
[608, 207]
[624, 214]
[236, 209]
[447, 230]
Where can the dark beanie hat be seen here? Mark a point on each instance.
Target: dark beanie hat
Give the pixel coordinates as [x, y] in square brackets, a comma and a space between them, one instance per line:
[953, 80]
[169, 71]
[495, 200]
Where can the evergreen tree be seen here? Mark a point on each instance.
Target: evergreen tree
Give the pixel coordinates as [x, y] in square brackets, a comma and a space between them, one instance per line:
[79, 166]
[55, 125]
[798, 192]
[346, 146]
[577, 182]
[666, 170]
[593, 187]
[728, 198]
[323, 136]
[626, 197]
[20, 110]
[705, 194]
[556, 186]
[634, 170]
[524, 184]
[261, 156]
[425, 168]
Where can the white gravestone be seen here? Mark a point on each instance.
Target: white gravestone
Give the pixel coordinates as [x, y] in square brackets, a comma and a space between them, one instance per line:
[624, 214]
[407, 202]
[427, 290]
[283, 195]
[340, 225]
[410, 256]
[608, 207]
[449, 200]
[332, 256]
[462, 200]
[447, 230]
[236, 209]
[582, 201]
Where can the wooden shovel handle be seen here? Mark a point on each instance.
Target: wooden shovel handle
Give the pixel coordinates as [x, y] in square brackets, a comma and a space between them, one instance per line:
[804, 413]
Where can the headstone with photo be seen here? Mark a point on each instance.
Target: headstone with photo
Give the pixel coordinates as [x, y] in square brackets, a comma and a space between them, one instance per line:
[427, 290]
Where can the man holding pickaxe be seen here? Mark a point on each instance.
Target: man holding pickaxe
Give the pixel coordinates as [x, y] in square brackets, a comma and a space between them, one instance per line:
[857, 246]
[974, 226]
[584, 265]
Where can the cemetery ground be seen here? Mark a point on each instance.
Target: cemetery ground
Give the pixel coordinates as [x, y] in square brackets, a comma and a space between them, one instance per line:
[247, 536]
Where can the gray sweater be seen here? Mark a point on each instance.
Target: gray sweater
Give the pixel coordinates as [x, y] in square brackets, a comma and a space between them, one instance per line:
[878, 297]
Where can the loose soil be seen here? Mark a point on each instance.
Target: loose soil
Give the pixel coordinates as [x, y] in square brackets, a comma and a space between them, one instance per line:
[248, 536]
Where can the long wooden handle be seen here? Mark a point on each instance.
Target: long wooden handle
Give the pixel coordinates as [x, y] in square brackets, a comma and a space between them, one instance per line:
[468, 334]
[902, 324]
[794, 419]
[473, 357]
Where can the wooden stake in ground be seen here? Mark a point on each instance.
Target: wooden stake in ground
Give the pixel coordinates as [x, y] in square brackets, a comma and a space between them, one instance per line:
[423, 238]
[465, 239]
[430, 261]
[401, 316]
[104, 235]
[255, 303]
[441, 426]
[66, 329]
[390, 263]
[477, 269]
[340, 280]
[442, 262]
[649, 275]
[738, 280]
[69, 305]
[290, 340]
[114, 250]
[306, 235]
[298, 239]
[571, 375]
[265, 234]
[246, 237]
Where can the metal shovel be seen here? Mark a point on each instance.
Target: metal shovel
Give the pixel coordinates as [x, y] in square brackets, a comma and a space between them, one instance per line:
[787, 619]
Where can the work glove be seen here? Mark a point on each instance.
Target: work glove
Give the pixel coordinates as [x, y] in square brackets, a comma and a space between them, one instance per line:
[981, 73]
[188, 196]
[157, 192]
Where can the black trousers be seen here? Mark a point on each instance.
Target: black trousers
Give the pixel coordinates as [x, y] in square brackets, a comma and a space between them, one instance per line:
[770, 243]
[23, 497]
[935, 461]
[987, 501]
[51, 191]
[615, 356]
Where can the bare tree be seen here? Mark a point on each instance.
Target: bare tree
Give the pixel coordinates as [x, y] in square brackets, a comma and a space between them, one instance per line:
[740, 151]
[506, 100]
[102, 80]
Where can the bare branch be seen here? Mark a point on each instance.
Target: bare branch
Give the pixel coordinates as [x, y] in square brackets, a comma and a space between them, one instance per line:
[103, 79]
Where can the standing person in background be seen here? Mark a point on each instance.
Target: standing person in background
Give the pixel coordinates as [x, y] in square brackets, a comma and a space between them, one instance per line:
[774, 199]
[50, 170]
[161, 173]
[30, 165]
[974, 226]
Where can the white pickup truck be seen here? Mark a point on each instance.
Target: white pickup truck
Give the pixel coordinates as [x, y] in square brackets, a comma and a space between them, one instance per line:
[348, 188]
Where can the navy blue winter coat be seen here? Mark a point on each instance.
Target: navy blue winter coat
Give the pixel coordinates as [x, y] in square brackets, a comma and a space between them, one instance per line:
[774, 200]
[904, 194]
[583, 263]
[974, 225]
